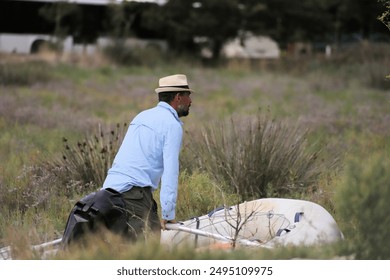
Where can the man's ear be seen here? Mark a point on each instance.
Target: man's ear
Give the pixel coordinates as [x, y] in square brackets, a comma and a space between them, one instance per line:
[175, 101]
[177, 96]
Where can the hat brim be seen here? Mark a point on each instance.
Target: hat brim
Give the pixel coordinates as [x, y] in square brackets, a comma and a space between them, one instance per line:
[172, 89]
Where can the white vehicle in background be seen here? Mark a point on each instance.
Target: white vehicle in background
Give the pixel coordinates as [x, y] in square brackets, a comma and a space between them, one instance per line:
[252, 47]
[23, 30]
[30, 43]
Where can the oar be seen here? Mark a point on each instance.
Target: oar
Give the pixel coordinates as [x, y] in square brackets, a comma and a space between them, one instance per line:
[47, 244]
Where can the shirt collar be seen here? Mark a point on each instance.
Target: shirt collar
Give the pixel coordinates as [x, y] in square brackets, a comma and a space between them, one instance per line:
[170, 108]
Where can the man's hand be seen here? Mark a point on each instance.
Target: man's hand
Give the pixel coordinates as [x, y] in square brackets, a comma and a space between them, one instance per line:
[164, 222]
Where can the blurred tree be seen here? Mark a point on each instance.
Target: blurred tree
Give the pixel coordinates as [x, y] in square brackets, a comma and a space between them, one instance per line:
[83, 22]
[252, 15]
[359, 17]
[216, 21]
[327, 21]
[61, 14]
[149, 21]
[179, 25]
[181, 22]
[142, 20]
[120, 18]
[306, 20]
[87, 23]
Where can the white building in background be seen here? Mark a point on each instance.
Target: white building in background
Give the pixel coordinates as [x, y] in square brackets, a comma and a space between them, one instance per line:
[248, 47]
[252, 47]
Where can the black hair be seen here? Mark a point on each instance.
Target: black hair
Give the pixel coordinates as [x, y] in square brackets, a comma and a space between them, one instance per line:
[168, 96]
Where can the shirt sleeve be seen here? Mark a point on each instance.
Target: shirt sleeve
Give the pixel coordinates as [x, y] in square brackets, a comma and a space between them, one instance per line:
[170, 177]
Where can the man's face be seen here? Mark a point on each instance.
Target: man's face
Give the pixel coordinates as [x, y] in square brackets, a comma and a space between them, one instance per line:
[183, 109]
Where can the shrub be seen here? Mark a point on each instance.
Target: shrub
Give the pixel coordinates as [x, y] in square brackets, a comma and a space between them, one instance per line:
[24, 73]
[362, 203]
[86, 163]
[376, 59]
[122, 54]
[367, 60]
[257, 158]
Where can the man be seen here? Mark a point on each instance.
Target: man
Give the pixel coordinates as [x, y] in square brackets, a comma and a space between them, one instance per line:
[149, 154]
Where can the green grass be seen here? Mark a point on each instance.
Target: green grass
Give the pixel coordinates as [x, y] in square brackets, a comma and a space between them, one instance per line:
[345, 115]
[362, 205]
[24, 74]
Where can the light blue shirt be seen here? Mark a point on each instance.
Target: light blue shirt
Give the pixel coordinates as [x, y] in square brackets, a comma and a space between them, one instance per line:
[150, 153]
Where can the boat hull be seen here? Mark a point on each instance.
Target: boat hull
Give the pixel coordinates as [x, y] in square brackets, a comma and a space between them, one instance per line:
[270, 222]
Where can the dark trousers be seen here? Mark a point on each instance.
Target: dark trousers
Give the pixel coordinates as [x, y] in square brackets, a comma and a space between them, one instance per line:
[142, 213]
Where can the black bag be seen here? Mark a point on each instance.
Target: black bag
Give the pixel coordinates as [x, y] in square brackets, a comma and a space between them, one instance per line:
[101, 208]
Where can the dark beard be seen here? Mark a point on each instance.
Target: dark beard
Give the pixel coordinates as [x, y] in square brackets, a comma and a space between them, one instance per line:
[183, 113]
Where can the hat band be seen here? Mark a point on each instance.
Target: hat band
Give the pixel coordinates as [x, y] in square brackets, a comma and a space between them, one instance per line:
[185, 87]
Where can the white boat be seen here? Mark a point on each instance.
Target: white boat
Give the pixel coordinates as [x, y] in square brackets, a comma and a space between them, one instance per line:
[267, 222]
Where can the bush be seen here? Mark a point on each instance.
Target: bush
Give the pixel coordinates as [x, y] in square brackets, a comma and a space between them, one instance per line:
[86, 163]
[122, 54]
[24, 73]
[376, 60]
[362, 203]
[257, 158]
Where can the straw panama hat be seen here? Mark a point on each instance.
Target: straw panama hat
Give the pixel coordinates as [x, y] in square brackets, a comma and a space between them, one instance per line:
[173, 83]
